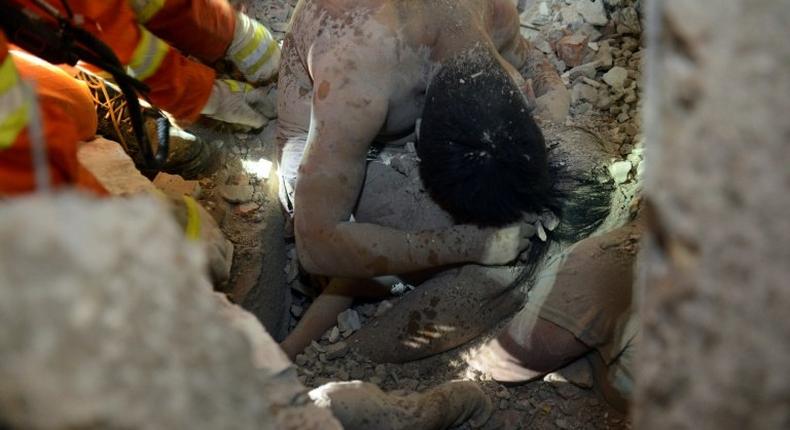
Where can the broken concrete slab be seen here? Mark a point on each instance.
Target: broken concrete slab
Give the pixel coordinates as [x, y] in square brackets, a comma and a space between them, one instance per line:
[237, 193]
[177, 186]
[114, 169]
[133, 332]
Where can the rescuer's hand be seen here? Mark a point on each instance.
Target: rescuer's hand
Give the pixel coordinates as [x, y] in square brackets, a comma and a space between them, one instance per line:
[238, 103]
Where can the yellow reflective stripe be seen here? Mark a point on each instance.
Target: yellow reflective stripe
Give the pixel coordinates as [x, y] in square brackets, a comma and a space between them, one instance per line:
[146, 9]
[234, 85]
[14, 104]
[258, 37]
[12, 125]
[192, 229]
[266, 57]
[8, 76]
[148, 55]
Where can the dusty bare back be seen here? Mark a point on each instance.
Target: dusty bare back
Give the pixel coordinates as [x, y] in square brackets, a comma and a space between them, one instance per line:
[355, 72]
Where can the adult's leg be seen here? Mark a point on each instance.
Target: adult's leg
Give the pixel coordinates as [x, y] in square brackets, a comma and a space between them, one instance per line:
[444, 312]
[585, 307]
[547, 347]
[322, 314]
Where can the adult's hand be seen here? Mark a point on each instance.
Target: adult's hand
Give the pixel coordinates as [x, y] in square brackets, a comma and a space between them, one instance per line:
[497, 246]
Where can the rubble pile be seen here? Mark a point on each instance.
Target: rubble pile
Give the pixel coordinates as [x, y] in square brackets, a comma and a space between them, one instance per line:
[67, 294]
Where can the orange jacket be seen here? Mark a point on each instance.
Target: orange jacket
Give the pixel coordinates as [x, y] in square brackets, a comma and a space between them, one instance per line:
[178, 85]
[67, 113]
[203, 28]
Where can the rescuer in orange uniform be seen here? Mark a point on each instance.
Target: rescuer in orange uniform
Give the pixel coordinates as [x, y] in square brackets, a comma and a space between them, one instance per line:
[137, 31]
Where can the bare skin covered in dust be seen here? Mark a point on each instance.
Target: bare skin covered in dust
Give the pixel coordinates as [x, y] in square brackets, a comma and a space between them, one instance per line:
[355, 73]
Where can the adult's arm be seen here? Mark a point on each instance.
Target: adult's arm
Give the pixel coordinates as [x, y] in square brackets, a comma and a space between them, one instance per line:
[349, 108]
[505, 30]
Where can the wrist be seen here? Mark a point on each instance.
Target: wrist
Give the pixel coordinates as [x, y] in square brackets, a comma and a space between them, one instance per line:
[212, 104]
[466, 244]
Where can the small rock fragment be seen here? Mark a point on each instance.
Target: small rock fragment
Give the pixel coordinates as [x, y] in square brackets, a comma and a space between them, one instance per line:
[620, 171]
[247, 208]
[604, 58]
[567, 391]
[583, 92]
[543, 9]
[301, 360]
[381, 371]
[237, 193]
[572, 48]
[627, 20]
[399, 289]
[367, 310]
[296, 311]
[592, 11]
[334, 335]
[384, 306]
[358, 373]
[409, 384]
[554, 105]
[175, 185]
[570, 15]
[336, 350]
[616, 77]
[502, 392]
[562, 424]
[317, 347]
[591, 82]
[348, 320]
[587, 70]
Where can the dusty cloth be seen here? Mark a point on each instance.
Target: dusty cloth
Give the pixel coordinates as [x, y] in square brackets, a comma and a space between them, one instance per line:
[591, 297]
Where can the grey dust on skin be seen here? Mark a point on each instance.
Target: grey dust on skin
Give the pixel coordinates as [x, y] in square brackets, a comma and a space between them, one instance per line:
[598, 51]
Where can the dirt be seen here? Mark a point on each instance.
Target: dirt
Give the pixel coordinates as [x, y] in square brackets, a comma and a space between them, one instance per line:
[263, 270]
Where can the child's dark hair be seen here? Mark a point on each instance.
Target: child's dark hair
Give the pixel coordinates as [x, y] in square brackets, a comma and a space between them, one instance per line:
[482, 156]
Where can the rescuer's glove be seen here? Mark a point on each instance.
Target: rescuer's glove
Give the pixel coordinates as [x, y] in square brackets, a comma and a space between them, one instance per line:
[254, 50]
[238, 103]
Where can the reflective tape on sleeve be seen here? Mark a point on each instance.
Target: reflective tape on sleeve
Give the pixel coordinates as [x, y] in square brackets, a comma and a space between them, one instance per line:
[258, 49]
[193, 227]
[14, 104]
[148, 56]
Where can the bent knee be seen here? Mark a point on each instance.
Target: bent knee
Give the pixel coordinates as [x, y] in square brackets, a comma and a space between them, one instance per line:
[544, 348]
